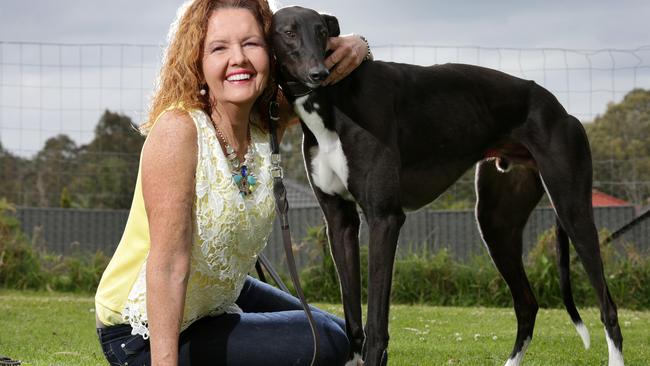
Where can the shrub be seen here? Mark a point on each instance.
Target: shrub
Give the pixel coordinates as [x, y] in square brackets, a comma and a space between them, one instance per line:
[19, 265]
[321, 281]
[22, 266]
[438, 279]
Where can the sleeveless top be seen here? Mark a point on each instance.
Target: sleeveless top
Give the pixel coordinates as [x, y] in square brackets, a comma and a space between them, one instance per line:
[229, 231]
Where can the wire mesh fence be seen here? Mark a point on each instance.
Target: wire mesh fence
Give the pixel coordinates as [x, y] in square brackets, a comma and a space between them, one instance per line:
[49, 91]
[584, 81]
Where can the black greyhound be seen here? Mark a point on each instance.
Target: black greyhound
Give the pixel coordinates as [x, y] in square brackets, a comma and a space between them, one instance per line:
[392, 137]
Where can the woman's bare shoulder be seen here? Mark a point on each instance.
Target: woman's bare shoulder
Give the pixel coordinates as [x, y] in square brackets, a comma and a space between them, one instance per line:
[172, 123]
[171, 144]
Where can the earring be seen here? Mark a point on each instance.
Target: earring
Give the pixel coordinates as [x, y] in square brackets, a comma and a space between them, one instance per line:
[203, 92]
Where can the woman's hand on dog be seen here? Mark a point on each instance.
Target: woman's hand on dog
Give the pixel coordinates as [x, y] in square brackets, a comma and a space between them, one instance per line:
[348, 53]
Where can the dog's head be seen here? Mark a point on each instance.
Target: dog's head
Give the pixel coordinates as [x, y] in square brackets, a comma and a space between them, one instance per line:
[299, 40]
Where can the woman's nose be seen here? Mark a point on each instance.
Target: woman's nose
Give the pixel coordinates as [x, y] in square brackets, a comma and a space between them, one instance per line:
[238, 56]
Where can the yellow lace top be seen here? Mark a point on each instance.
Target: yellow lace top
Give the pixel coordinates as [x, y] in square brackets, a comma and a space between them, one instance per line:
[229, 232]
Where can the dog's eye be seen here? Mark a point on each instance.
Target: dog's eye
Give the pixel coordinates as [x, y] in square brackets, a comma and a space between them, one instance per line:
[323, 33]
[290, 34]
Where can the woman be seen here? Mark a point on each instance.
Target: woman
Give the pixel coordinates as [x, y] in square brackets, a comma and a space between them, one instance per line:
[176, 290]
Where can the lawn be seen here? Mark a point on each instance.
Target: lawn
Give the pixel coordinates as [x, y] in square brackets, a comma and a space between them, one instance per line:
[58, 329]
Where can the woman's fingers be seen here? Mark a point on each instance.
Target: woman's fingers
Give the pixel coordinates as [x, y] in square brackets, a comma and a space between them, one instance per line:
[348, 53]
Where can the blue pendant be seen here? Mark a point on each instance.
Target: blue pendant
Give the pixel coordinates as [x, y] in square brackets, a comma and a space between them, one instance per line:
[244, 171]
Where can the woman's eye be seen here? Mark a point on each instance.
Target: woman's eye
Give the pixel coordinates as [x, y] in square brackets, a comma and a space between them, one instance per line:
[218, 48]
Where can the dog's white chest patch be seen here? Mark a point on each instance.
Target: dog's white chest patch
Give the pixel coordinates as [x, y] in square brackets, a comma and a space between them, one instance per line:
[328, 162]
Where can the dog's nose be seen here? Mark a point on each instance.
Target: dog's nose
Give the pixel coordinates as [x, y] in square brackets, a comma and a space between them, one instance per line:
[319, 74]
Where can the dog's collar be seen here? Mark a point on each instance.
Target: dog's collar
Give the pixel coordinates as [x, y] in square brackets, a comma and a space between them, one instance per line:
[289, 85]
[295, 88]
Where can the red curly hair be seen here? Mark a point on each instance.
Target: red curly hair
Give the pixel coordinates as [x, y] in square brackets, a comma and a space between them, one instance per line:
[181, 75]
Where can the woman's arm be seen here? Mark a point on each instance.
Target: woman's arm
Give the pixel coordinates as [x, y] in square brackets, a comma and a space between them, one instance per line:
[168, 170]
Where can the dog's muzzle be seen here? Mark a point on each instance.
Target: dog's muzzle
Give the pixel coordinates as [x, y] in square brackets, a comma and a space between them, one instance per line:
[318, 74]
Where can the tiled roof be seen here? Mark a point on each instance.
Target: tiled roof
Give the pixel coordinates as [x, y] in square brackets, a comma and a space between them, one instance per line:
[600, 199]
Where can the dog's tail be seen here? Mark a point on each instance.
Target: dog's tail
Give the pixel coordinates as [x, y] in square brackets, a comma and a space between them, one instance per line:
[563, 262]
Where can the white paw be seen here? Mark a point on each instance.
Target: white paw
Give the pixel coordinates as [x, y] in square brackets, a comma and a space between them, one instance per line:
[516, 361]
[584, 334]
[355, 361]
[615, 355]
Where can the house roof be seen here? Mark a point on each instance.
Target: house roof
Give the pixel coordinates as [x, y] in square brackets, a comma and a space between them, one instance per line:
[600, 199]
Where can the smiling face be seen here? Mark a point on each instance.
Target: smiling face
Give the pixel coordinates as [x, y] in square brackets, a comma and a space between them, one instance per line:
[235, 60]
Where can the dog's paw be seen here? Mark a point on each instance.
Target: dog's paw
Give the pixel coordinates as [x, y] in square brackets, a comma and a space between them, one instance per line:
[355, 361]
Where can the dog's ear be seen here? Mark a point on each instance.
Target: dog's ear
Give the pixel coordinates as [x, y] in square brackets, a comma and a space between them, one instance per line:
[333, 29]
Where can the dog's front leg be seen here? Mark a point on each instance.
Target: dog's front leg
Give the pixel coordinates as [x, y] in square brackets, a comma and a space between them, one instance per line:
[343, 224]
[385, 217]
[343, 234]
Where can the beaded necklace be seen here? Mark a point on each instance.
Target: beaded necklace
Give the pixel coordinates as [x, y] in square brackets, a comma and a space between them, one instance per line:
[242, 174]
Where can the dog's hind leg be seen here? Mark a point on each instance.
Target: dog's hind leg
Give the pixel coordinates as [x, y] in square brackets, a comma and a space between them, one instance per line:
[559, 146]
[563, 262]
[504, 203]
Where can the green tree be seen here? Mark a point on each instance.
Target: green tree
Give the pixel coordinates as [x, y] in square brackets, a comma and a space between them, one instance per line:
[108, 165]
[14, 174]
[115, 134]
[100, 174]
[66, 201]
[620, 145]
[53, 169]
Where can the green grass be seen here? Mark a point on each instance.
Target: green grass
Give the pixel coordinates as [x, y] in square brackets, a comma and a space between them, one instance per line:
[58, 329]
[41, 328]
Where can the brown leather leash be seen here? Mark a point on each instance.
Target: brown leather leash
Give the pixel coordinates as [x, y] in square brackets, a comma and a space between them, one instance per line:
[282, 208]
[264, 264]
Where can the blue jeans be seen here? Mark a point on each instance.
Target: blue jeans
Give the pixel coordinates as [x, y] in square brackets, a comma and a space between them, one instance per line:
[273, 330]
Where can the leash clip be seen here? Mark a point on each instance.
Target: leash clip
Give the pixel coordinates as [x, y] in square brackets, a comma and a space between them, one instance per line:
[276, 169]
[274, 111]
[276, 172]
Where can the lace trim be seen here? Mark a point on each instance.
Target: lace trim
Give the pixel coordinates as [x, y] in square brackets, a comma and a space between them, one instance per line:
[229, 232]
[135, 311]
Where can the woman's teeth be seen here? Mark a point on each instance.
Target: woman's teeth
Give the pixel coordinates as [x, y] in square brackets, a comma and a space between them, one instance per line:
[238, 77]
